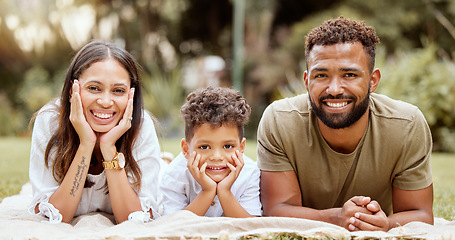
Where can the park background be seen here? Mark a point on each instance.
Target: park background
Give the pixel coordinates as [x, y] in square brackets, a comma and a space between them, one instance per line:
[255, 46]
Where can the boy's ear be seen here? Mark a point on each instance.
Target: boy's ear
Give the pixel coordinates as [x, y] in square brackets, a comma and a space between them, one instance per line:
[242, 145]
[185, 148]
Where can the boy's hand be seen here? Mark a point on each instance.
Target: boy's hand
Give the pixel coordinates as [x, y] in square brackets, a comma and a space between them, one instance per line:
[199, 175]
[226, 183]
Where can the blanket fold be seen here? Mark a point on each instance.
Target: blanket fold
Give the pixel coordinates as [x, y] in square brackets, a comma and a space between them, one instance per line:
[17, 223]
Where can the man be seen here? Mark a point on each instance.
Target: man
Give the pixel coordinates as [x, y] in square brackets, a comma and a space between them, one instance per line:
[341, 153]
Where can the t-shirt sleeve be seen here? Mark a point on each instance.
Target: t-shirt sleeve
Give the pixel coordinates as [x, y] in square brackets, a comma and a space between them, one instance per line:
[173, 186]
[41, 178]
[415, 169]
[147, 154]
[270, 150]
[250, 199]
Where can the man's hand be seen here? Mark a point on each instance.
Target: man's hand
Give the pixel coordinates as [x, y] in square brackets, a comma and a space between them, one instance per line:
[351, 207]
[377, 221]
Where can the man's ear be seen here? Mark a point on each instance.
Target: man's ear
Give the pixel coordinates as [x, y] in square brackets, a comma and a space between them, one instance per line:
[185, 148]
[242, 145]
[305, 79]
[374, 79]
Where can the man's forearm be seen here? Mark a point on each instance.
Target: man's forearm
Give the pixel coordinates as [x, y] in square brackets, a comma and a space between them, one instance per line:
[402, 218]
[286, 210]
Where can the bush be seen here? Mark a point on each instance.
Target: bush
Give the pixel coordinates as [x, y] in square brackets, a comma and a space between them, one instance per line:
[163, 97]
[422, 79]
[10, 120]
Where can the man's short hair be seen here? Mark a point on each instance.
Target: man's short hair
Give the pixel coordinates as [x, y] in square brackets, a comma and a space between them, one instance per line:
[217, 106]
[342, 30]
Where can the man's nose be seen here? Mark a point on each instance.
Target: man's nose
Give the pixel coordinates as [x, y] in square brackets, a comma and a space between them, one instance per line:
[335, 87]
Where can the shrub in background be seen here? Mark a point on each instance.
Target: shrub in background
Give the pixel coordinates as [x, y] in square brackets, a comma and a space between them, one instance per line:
[10, 119]
[163, 97]
[422, 78]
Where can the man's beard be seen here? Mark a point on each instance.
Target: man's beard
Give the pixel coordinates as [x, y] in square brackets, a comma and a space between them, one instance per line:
[341, 120]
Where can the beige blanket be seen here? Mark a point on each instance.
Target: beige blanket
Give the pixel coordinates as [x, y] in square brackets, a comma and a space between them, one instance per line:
[16, 223]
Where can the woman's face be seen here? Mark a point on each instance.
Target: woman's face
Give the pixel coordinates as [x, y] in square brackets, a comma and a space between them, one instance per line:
[104, 94]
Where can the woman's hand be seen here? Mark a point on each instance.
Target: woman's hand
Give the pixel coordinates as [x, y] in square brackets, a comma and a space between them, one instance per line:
[77, 117]
[107, 140]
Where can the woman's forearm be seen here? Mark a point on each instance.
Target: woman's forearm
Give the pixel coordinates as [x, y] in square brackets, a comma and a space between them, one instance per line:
[68, 195]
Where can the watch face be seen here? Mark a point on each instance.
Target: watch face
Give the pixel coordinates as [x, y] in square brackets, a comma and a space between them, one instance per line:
[121, 160]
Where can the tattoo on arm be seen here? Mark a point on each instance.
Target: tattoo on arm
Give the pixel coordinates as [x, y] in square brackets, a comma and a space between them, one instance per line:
[78, 178]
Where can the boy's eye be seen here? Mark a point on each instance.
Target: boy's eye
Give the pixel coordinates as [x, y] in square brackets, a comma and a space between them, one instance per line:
[228, 146]
[204, 147]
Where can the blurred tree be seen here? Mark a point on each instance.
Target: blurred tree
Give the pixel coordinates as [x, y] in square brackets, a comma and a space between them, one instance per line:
[38, 39]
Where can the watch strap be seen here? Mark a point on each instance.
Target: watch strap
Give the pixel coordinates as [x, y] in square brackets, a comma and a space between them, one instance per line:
[112, 164]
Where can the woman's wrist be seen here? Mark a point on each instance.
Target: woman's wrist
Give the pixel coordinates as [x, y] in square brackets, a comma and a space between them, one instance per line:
[108, 152]
[89, 146]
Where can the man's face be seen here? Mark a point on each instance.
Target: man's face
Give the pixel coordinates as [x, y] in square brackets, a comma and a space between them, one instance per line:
[339, 82]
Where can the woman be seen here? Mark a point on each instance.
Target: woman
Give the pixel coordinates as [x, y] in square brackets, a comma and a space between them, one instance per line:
[94, 148]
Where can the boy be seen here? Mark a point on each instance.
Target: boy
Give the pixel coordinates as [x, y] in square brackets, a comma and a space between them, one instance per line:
[211, 177]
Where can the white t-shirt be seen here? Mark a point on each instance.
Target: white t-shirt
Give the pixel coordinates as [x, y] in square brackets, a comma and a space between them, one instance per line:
[179, 188]
[146, 152]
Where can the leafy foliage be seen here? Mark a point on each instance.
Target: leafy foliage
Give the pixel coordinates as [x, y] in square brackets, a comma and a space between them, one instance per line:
[163, 97]
[163, 35]
[422, 79]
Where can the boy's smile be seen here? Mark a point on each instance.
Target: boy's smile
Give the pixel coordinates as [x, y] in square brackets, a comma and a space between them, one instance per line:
[215, 145]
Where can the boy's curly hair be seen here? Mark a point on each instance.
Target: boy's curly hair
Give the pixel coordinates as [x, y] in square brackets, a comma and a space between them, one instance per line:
[342, 30]
[217, 106]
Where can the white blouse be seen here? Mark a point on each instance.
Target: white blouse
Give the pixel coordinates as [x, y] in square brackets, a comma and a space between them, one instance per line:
[146, 152]
[179, 188]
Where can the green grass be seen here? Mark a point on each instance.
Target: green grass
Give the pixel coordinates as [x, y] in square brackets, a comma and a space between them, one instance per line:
[15, 152]
[14, 162]
[443, 166]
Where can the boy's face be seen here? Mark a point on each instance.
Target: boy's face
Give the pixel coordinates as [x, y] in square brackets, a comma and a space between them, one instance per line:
[216, 145]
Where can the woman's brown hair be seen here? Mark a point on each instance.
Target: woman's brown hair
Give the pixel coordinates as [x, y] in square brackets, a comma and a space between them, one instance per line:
[65, 141]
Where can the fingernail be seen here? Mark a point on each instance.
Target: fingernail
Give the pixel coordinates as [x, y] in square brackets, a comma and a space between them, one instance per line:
[352, 220]
[351, 227]
[357, 215]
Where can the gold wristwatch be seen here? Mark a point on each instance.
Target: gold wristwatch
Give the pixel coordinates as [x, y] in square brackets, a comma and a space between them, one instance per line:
[117, 163]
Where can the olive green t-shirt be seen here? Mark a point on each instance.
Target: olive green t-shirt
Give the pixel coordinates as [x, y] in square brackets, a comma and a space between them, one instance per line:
[394, 151]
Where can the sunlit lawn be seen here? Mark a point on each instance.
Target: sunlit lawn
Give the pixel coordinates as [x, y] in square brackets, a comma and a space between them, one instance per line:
[14, 162]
